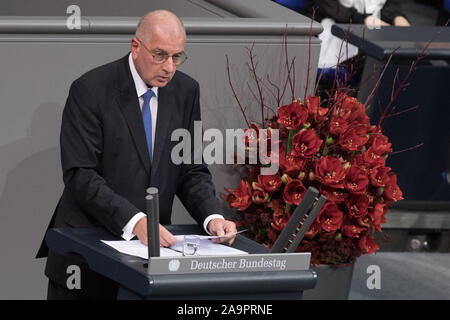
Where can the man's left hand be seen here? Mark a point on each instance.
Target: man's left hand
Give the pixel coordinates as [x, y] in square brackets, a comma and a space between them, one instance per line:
[224, 228]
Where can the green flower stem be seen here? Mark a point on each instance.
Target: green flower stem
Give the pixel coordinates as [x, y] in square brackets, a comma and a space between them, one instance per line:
[288, 208]
[289, 145]
[289, 148]
[325, 149]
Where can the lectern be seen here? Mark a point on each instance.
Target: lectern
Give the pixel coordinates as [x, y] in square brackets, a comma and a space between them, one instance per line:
[136, 282]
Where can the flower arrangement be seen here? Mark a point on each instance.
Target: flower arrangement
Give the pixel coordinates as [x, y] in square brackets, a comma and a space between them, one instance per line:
[338, 152]
[328, 144]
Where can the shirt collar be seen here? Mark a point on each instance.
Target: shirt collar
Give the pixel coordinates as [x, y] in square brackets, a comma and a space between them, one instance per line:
[140, 85]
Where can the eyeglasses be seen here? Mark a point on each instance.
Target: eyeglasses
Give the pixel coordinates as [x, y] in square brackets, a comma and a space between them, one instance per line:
[160, 56]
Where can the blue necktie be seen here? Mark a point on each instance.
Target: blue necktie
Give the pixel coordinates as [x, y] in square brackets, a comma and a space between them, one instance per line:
[147, 118]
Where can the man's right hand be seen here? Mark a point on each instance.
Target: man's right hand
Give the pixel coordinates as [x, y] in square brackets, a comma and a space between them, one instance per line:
[166, 239]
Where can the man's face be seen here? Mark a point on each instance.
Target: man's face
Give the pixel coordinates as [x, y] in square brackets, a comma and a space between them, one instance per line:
[153, 73]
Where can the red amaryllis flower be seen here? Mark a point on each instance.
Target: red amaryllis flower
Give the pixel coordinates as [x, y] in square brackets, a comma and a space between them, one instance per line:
[293, 115]
[305, 143]
[381, 145]
[356, 180]
[379, 176]
[293, 192]
[373, 159]
[391, 191]
[243, 196]
[291, 165]
[314, 110]
[337, 125]
[260, 197]
[335, 195]
[357, 205]
[351, 228]
[279, 221]
[251, 136]
[358, 114]
[330, 217]
[358, 161]
[365, 221]
[228, 197]
[344, 105]
[350, 109]
[377, 216]
[354, 138]
[271, 183]
[313, 230]
[267, 155]
[368, 245]
[329, 171]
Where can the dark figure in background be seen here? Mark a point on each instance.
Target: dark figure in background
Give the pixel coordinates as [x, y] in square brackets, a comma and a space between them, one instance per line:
[372, 13]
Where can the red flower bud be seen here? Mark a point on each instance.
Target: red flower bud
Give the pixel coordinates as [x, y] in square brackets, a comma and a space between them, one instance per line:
[257, 186]
[286, 178]
[260, 197]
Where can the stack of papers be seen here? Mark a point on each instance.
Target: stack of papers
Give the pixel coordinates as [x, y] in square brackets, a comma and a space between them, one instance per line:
[205, 248]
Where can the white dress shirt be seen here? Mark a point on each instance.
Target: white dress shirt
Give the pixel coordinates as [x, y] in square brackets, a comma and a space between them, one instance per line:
[142, 88]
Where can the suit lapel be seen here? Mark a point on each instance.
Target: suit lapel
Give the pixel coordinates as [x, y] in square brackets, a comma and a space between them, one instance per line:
[129, 104]
[166, 110]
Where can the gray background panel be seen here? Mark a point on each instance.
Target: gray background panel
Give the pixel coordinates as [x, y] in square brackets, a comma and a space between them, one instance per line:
[129, 8]
[36, 75]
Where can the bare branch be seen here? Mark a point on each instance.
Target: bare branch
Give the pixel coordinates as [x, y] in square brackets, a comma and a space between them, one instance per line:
[234, 93]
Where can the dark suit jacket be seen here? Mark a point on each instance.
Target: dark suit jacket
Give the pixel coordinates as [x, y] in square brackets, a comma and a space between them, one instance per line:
[105, 160]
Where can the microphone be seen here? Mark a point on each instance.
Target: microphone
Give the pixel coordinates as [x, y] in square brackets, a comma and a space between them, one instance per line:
[152, 201]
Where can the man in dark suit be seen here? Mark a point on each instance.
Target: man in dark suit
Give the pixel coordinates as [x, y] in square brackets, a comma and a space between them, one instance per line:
[115, 143]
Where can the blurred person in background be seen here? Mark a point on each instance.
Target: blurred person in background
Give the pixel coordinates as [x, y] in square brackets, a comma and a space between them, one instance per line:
[372, 13]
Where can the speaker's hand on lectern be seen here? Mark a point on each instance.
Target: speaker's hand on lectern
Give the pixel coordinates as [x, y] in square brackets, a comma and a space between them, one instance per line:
[221, 227]
[166, 239]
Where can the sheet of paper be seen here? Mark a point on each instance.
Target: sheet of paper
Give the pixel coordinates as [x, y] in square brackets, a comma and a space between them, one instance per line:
[205, 248]
[136, 248]
[215, 237]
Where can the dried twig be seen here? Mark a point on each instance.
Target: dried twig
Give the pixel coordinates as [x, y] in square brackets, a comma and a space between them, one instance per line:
[257, 81]
[234, 93]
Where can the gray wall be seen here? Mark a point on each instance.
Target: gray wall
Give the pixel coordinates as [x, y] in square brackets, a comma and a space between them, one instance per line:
[37, 70]
[128, 8]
